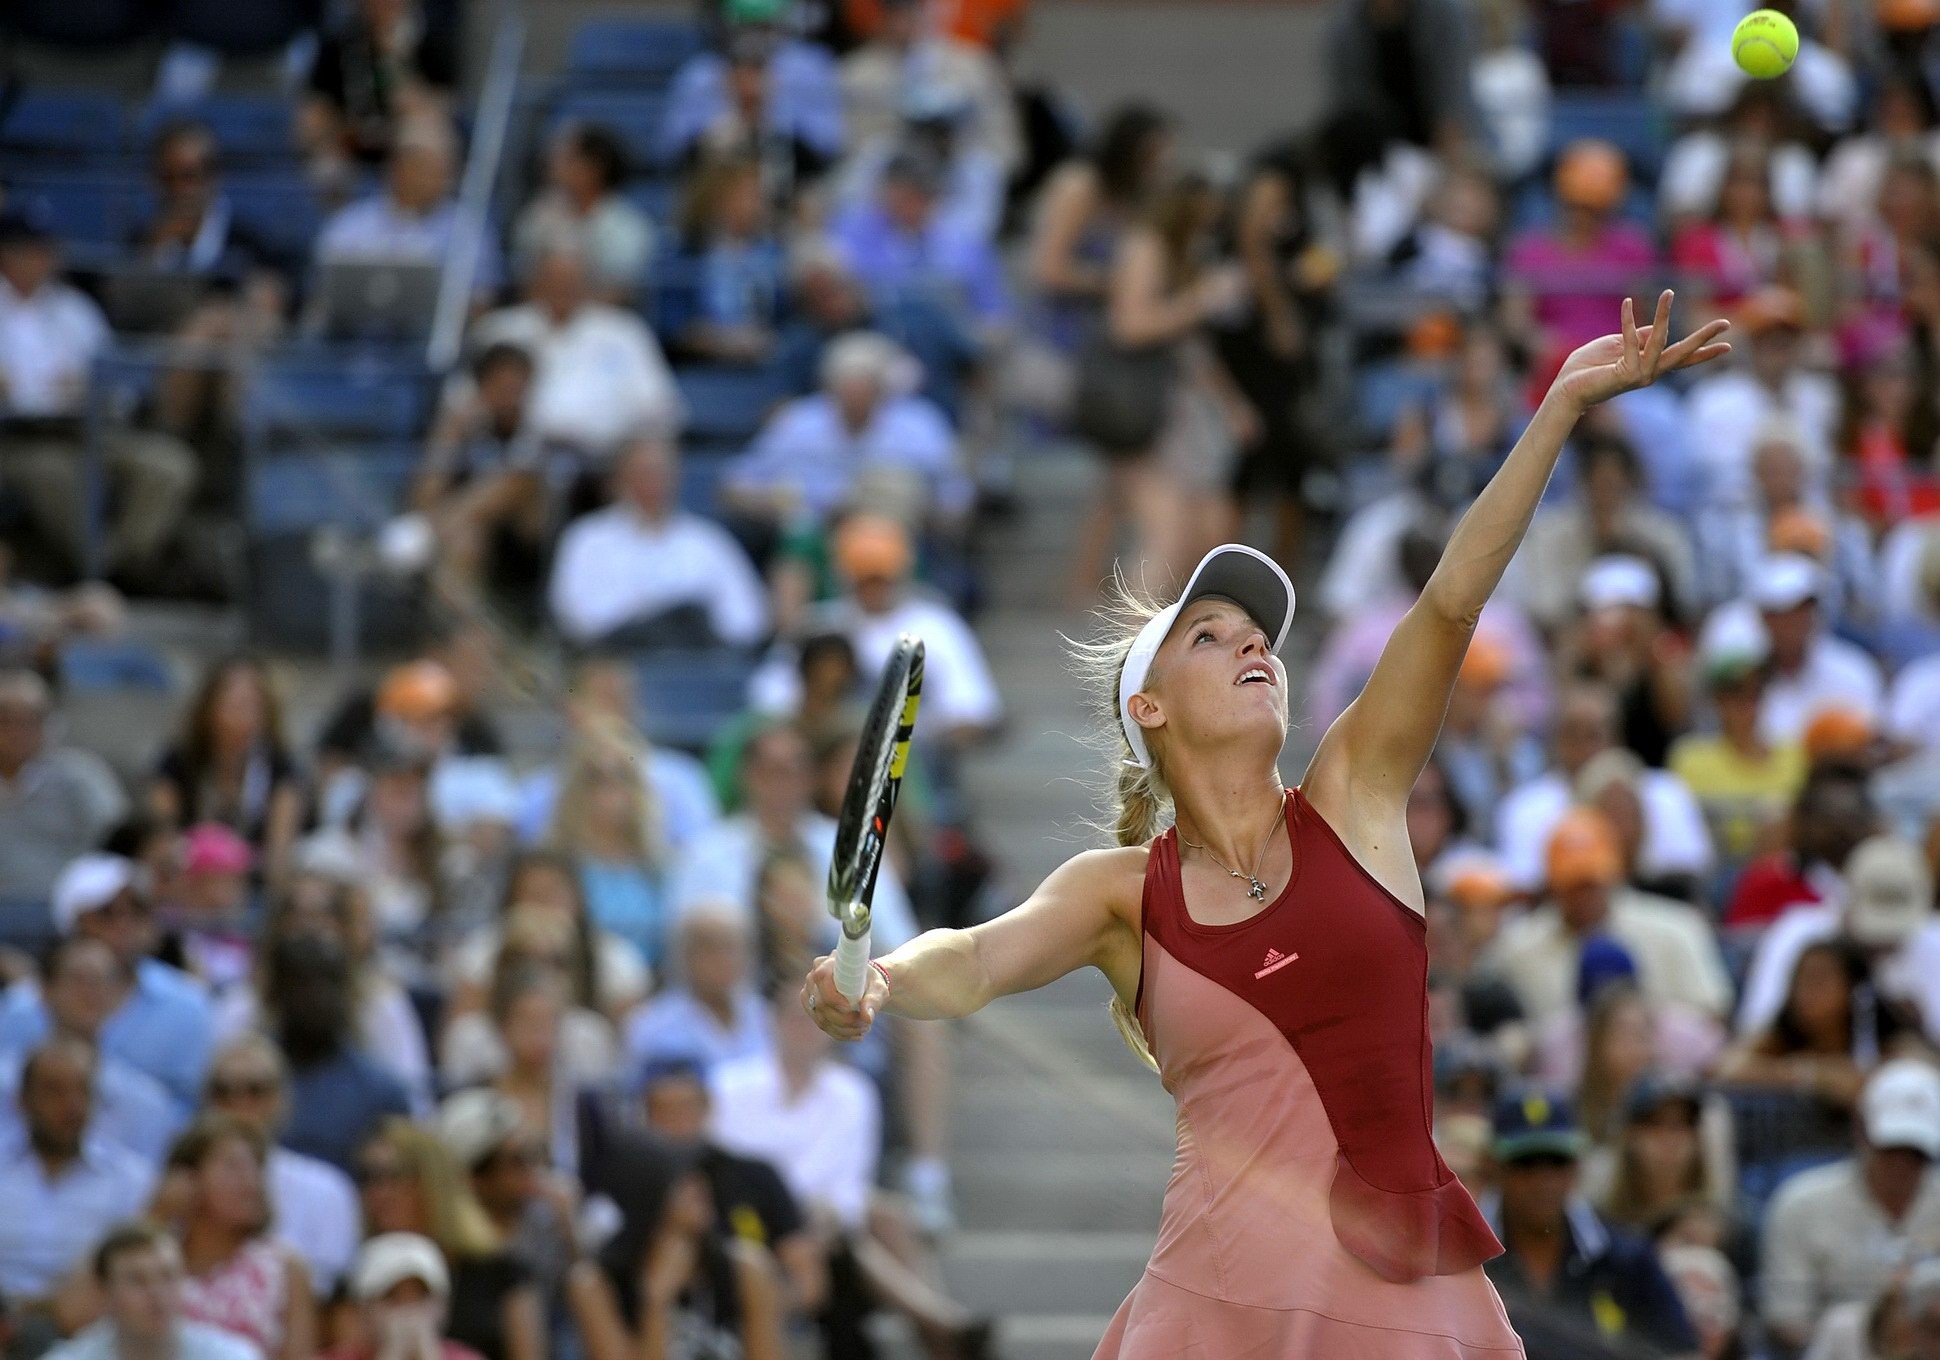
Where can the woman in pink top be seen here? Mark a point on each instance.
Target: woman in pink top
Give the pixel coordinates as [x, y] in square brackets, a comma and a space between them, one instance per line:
[1268, 951]
[239, 1278]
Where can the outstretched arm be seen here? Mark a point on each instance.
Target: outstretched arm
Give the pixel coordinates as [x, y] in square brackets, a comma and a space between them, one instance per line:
[1075, 918]
[1391, 728]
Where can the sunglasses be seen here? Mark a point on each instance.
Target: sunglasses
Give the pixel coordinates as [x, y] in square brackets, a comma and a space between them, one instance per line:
[1542, 1161]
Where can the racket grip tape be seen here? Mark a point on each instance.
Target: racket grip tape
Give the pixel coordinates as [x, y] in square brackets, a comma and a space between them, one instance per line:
[852, 966]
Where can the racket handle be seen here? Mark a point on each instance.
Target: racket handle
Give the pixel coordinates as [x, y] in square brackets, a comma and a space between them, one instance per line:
[852, 966]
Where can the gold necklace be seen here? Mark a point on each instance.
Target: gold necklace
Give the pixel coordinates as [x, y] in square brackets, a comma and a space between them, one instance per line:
[1255, 889]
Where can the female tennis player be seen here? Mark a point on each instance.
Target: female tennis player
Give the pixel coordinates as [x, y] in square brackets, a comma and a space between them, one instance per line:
[1269, 948]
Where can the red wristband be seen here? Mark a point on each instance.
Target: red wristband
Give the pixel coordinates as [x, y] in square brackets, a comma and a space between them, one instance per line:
[887, 985]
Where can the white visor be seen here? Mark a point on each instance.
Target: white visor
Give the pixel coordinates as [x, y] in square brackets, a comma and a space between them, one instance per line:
[1247, 577]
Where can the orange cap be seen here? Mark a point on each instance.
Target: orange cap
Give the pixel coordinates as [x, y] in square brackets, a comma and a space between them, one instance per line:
[1583, 850]
[872, 546]
[1477, 886]
[417, 690]
[1798, 531]
[1434, 335]
[1591, 174]
[1770, 308]
[1836, 730]
[1907, 16]
[1486, 665]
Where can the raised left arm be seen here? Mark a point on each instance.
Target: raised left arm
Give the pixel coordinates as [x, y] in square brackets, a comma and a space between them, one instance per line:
[1389, 732]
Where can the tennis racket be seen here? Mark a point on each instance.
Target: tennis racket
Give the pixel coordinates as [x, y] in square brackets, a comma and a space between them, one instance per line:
[874, 782]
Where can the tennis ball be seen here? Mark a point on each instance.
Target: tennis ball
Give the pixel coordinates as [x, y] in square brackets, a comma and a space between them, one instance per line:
[1764, 44]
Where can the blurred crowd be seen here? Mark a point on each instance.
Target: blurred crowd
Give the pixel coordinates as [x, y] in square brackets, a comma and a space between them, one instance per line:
[412, 1037]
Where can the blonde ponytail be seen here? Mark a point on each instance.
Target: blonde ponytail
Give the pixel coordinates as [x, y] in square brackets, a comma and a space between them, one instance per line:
[1137, 804]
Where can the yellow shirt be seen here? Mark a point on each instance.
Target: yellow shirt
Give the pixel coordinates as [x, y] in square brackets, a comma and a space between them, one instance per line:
[1740, 797]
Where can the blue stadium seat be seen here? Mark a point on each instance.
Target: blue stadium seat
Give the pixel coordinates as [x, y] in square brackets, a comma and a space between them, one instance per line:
[633, 50]
[701, 471]
[97, 665]
[335, 401]
[689, 696]
[1625, 119]
[70, 124]
[26, 924]
[1382, 391]
[631, 115]
[727, 404]
[248, 128]
[358, 488]
[659, 199]
[671, 298]
[86, 208]
[279, 209]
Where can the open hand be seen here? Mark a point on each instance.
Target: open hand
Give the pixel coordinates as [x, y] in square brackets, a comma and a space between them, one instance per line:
[1615, 364]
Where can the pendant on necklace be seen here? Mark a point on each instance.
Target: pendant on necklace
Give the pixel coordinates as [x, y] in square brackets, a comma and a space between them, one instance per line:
[1256, 890]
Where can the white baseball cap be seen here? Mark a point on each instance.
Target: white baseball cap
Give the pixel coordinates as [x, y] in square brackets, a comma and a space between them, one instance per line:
[1901, 1107]
[1786, 581]
[1889, 891]
[1247, 577]
[89, 884]
[1618, 579]
[476, 1123]
[388, 1260]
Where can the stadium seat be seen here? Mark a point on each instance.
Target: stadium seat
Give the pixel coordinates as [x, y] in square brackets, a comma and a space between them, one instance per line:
[322, 402]
[726, 404]
[85, 208]
[1633, 125]
[637, 51]
[631, 115]
[247, 128]
[356, 487]
[691, 696]
[73, 125]
[101, 665]
[1382, 391]
[279, 209]
[26, 924]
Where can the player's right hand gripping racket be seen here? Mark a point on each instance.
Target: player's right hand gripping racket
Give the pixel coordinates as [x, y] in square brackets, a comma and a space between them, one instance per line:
[874, 781]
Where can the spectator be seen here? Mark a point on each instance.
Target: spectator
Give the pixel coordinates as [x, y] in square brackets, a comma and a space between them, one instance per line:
[1566, 1272]
[1785, 513]
[906, 60]
[583, 211]
[901, 241]
[414, 219]
[1741, 246]
[61, 1188]
[56, 801]
[438, 702]
[1885, 906]
[1763, 122]
[1611, 515]
[383, 70]
[1568, 279]
[1728, 410]
[1830, 817]
[338, 1094]
[239, 1278]
[1836, 1234]
[751, 1201]
[1674, 1147]
[599, 375]
[532, 1208]
[535, 940]
[714, 1014]
[605, 689]
[208, 927]
[1810, 668]
[1831, 1030]
[529, 1006]
[1743, 782]
[644, 572]
[81, 981]
[230, 764]
[314, 1204]
[874, 558]
[1624, 639]
[1674, 840]
[1708, 1286]
[138, 1271]
[609, 974]
[50, 335]
[728, 241]
[410, 1185]
[159, 1020]
[608, 822]
[772, 95]
[668, 1273]
[403, 1294]
[1900, 123]
[193, 228]
[1677, 958]
[814, 451]
[482, 482]
[1405, 62]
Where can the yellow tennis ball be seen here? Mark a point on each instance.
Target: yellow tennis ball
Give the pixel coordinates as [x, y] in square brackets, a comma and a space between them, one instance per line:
[1764, 44]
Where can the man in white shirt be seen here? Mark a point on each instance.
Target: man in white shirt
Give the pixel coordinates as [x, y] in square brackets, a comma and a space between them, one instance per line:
[1810, 668]
[600, 377]
[414, 219]
[138, 1269]
[1728, 410]
[50, 336]
[1884, 904]
[60, 1188]
[643, 569]
[1676, 841]
[874, 556]
[316, 1206]
[1677, 957]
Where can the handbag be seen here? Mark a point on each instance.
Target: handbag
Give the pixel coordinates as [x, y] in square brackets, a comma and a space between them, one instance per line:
[1122, 395]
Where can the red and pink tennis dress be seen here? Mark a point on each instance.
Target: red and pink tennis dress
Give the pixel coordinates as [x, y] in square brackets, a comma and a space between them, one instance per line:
[1309, 1216]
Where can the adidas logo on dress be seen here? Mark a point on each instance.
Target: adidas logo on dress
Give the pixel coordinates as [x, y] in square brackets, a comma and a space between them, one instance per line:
[1275, 961]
